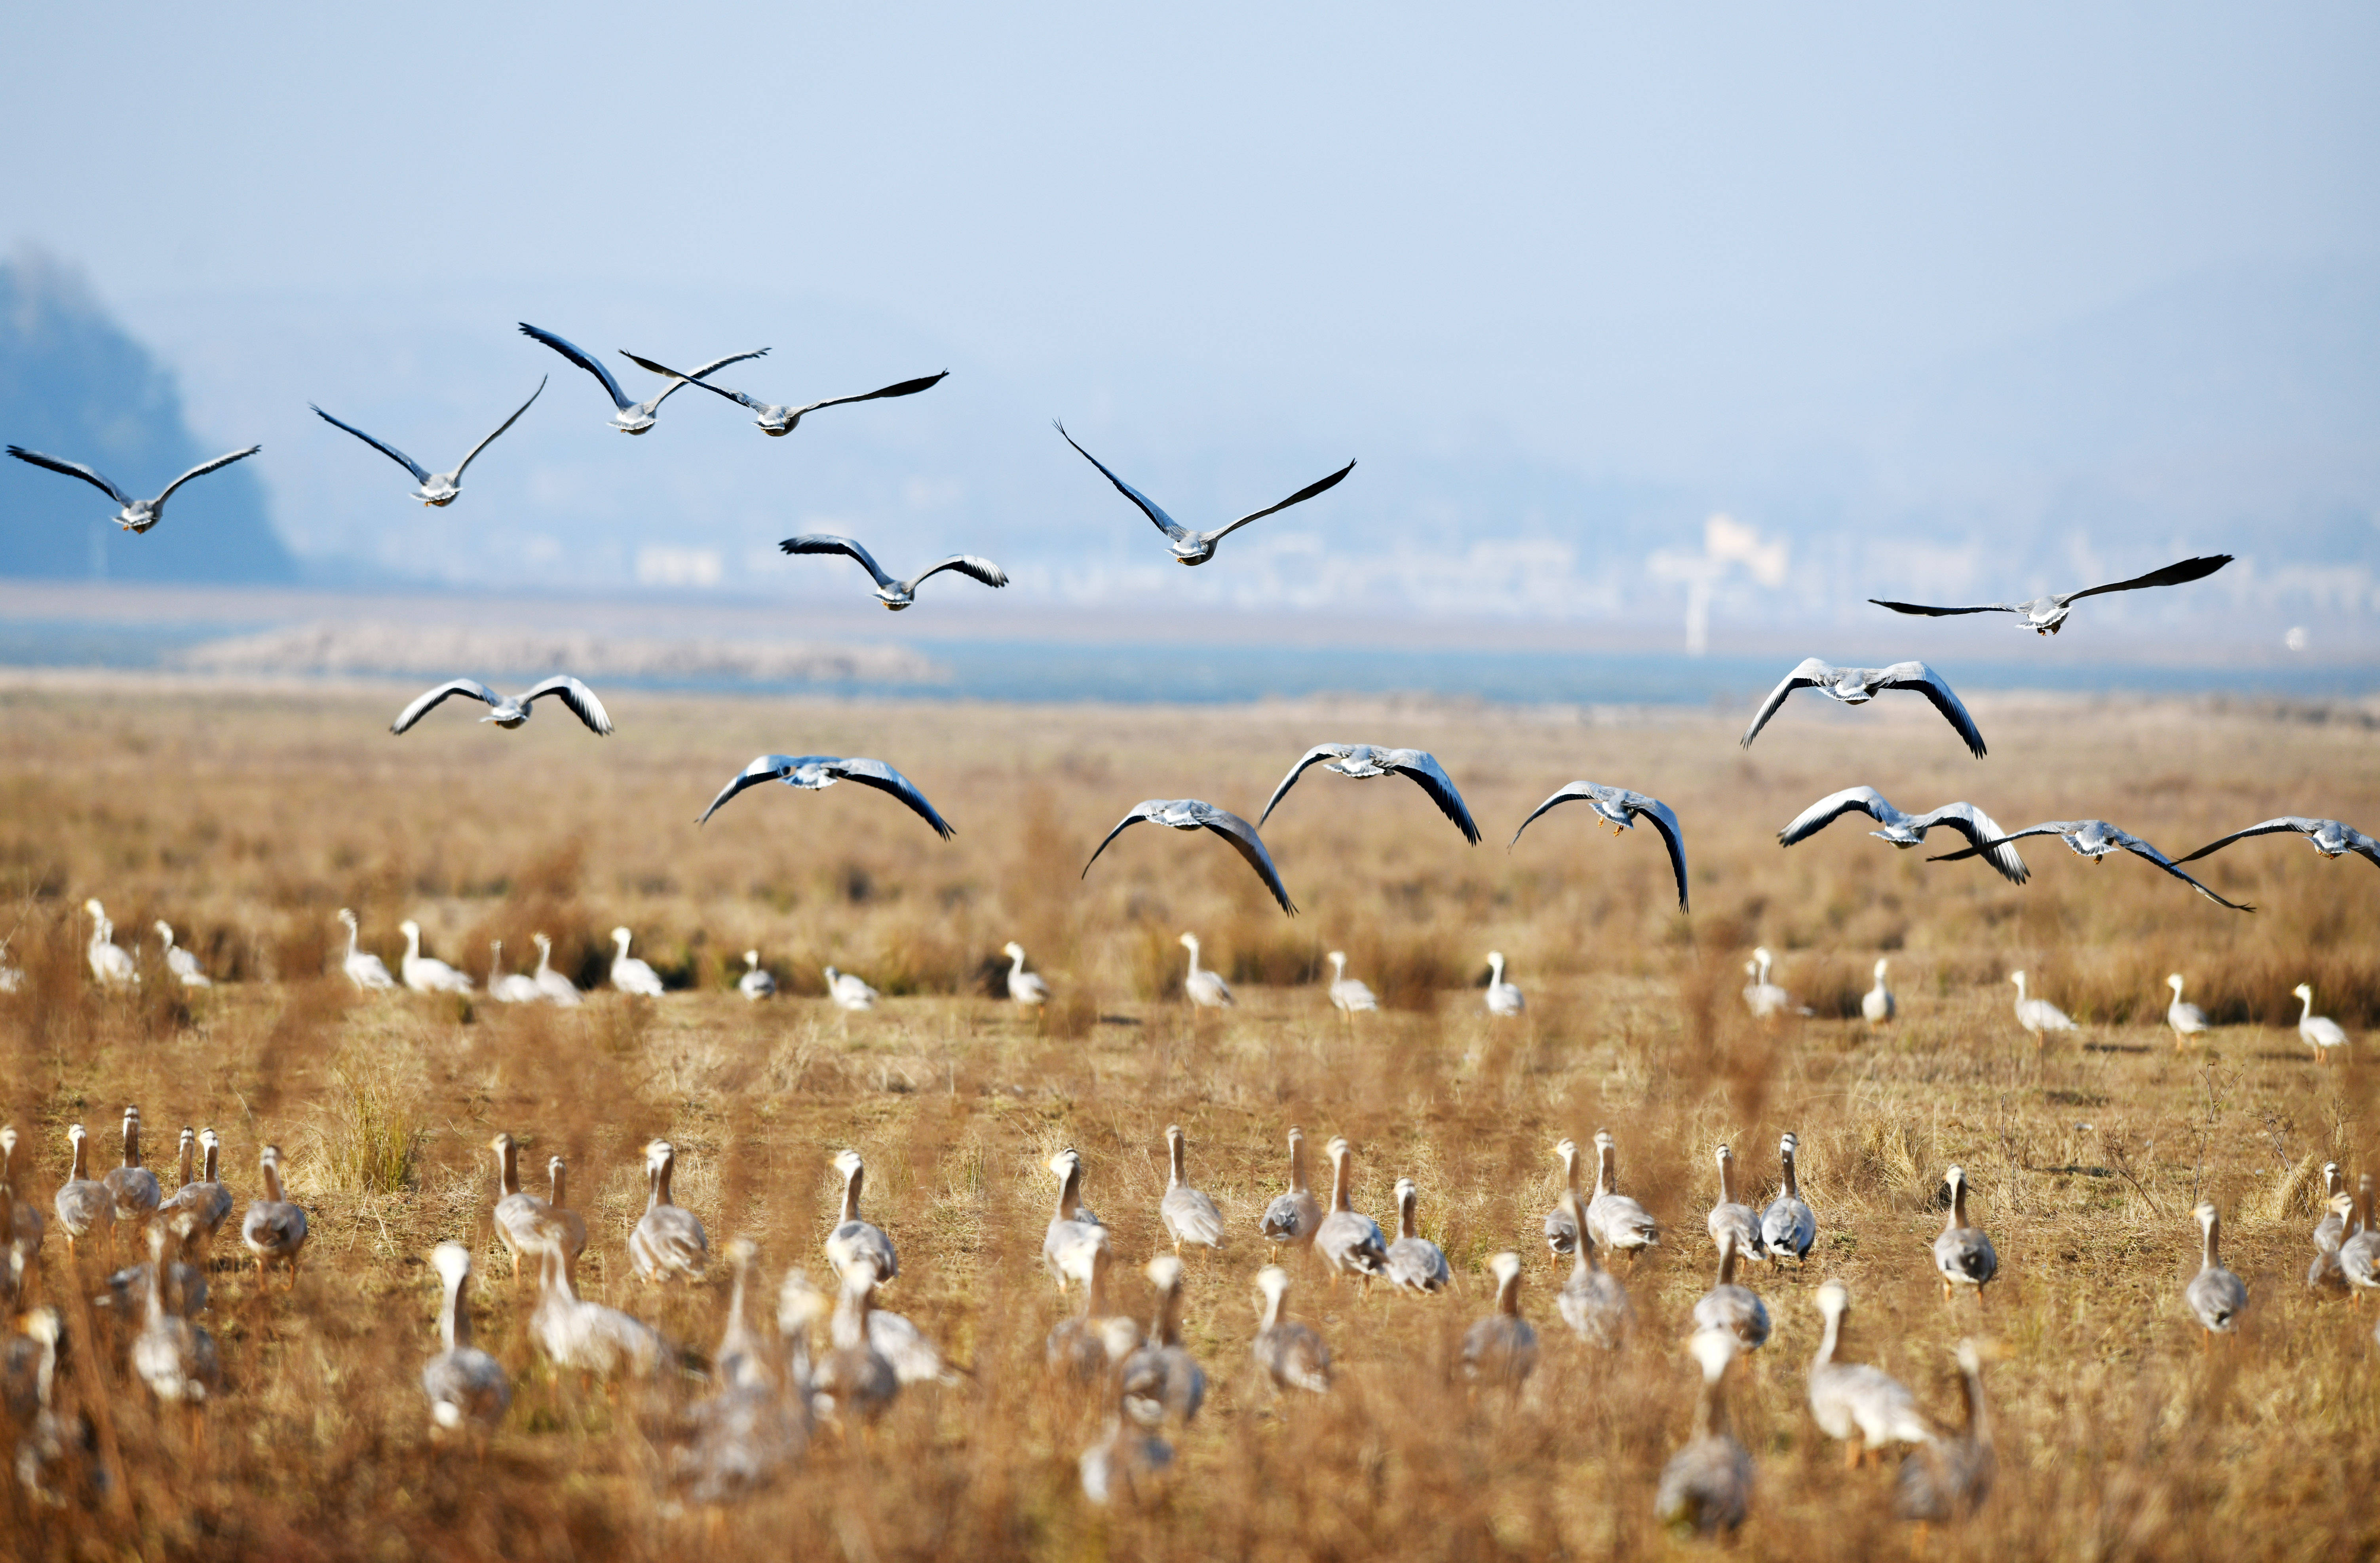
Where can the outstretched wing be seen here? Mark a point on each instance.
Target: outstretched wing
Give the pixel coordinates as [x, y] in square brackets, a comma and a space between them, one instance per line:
[823, 542]
[1424, 768]
[2139, 848]
[1563, 794]
[579, 355]
[428, 697]
[1300, 497]
[1946, 613]
[1979, 829]
[2172, 575]
[580, 698]
[72, 469]
[202, 470]
[1806, 676]
[678, 383]
[1314, 756]
[491, 439]
[1141, 811]
[884, 779]
[2267, 828]
[2047, 828]
[1833, 807]
[1165, 523]
[382, 446]
[905, 388]
[652, 367]
[764, 767]
[1927, 682]
[1666, 822]
[1243, 837]
[969, 565]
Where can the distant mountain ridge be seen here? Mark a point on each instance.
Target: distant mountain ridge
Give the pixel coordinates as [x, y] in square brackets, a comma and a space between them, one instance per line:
[76, 384]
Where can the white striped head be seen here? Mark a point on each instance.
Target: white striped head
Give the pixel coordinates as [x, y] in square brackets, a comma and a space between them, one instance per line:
[1067, 1164]
[1164, 1272]
[1505, 1267]
[1190, 942]
[1834, 1300]
[1566, 1150]
[1955, 1178]
[75, 1137]
[1273, 1281]
[1339, 1149]
[1013, 950]
[2304, 992]
[2174, 982]
[210, 1141]
[659, 1153]
[848, 1163]
[452, 1261]
[1406, 1189]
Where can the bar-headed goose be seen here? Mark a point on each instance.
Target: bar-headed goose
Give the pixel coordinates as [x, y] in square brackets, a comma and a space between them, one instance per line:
[1962, 1254]
[1736, 1309]
[1561, 1221]
[1072, 1223]
[132, 1186]
[274, 1228]
[1876, 1005]
[1189, 1215]
[2038, 1015]
[1789, 1225]
[508, 987]
[2359, 1249]
[1863, 1407]
[1348, 994]
[1502, 1347]
[668, 1242]
[562, 1227]
[853, 1239]
[1620, 1223]
[2187, 1020]
[83, 1203]
[1076, 1348]
[1504, 998]
[516, 1216]
[111, 964]
[1593, 1302]
[1202, 986]
[1023, 987]
[1949, 1478]
[1294, 1217]
[1129, 1461]
[2318, 1032]
[175, 1358]
[1349, 1241]
[183, 963]
[1415, 1263]
[629, 974]
[467, 1389]
[851, 995]
[853, 1378]
[1292, 1355]
[422, 973]
[1162, 1378]
[756, 983]
[366, 970]
[551, 985]
[2215, 1294]
[1728, 1215]
[1707, 1487]
[599, 1342]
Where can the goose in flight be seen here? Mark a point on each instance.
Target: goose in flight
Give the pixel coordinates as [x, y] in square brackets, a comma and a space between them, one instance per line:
[1620, 809]
[437, 487]
[775, 421]
[512, 711]
[1196, 548]
[633, 417]
[2328, 837]
[1191, 814]
[2046, 615]
[1857, 687]
[1905, 830]
[138, 515]
[896, 595]
[814, 773]
[2094, 839]
[1365, 760]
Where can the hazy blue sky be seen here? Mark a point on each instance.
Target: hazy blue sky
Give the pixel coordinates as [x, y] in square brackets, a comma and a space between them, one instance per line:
[1624, 240]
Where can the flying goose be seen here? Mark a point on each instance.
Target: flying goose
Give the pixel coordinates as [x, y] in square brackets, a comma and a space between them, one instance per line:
[2046, 615]
[1860, 1406]
[1728, 1306]
[668, 1242]
[1857, 687]
[1415, 1263]
[1962, 1254]
[1191, 547]
[632, 417]
[1349, 1241]
[1202, 986]
[2319, 1032]
[2094, 839]
[2328, 837]
[1072, 1224]
[1292, 1355]
[856, 1241]
[274, 1229]
[1294, 1217]
[511, 711]
[364, 969]
[1023, 987]
[138, 515]
[2038, 1015]
[630, 974]
[1593, 1302]
[438, 489]
[551, 985]
[814, 773]
[1504, 998]
[1348, 994]
[422, 973]
[132, 1186]
[1906, 830]
[182, 963]
[2187, 1020]
[1502, 1347]
[1876, 1005]
[755, 984]
[1365, 760]
[467, 1389]
[1728, 1216]
[1706, 1486]
[1191, 814]
[1950, 1477]
[777, 422]
[1789, 1226]
[1621, 809]
[2215, 1294]
[1617, 1221]
[111, 964]
[1189, 1215]
[896, 595]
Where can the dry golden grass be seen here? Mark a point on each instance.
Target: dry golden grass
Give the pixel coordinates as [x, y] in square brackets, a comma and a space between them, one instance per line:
[248, 821]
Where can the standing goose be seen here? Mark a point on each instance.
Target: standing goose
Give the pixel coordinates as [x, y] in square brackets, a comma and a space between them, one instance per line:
[851, 995]
[755, 983]
[1162, 1378]
[2341, 1225]
[1072, 1224]
[1504, 998]
[58, 1455]
[1862, 1407]
[508, 987]
[1876, 1005]
[1735, 1309]
[1561, 1223]
[1292, 1355]
[855, 1240]
[1188, 546]
[184, 1282]
[1789, 1225]
[138, 514]
[552, 986]
[517, 1215]
[1293, 1217]
[853, 1377]
[2187, 1020]
[1728, 1216]
[631, 418]
[467, 1389]
[1618, 1222]
[111, 964]
[1593, 1302]
[1415, 1263]
[744, 1435]
[2215, 1294]
[776, 421]
[1707, 1487]
[1962, 1254]
[274, 1229]
[1076, 1348]
[422, 973]
[20, 1240]
[364, 969]
[1205, 989]
[1762, 997]
[2038, 1015]
[1189, 1215]
[2319, 1032]
[561, 1227]
[599, 1342]
[669, 1242]
[1949, 1478]
[1130, 1459]
[180, 962]
[206, 1200]
[629, 974]
[1349, 1241]
[1347, 994]
[175, 1358]
[82, 1202]
[1502, 1348]
[132, 1186]
[1023, 987]
[2359, 1250]
[437, 489]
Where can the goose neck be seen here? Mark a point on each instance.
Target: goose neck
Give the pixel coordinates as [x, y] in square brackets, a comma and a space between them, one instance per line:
[508, 1169]
[453, 1318]
[2211, 1256]
[131, 1139]
[1070, 1191]
[188, 1146]
[81, 1164]
[1297, 1164]
[1727, 1179]
[1508, 1293]
[1409, 1215]
[662, 1176]
[1606, 1181]
[1340, 1192]
[1958, 1205]
[1727, 1260]
[1792, 1180]
[1169, 1316]
[1710, 1413]
[558, 1180]
[1174, 1153]
[850, 1193]
[1275, 1308]
[1979, 1416]
[1827, 1343]
[272, 1172]
[211, 1165]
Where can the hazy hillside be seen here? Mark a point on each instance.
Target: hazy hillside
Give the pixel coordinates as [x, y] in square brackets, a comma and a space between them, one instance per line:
[74, 383]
